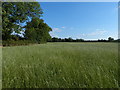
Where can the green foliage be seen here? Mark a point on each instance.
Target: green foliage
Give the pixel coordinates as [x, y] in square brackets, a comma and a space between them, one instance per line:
[55, 39]
[110, 39]
[61, 65]
[17, 43]
[79, 40]
[37, 31]
[15, 13]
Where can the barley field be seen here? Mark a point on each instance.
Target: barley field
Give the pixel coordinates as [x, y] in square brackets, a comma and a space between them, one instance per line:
[60, 65]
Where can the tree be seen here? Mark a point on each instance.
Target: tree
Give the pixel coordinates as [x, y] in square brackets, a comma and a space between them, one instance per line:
[16, 13]
[79, 40]
[110, 39]
[55, 39]
[37, 30]
[70, 39]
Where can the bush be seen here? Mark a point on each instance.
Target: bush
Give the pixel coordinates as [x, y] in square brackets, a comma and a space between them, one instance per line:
[17, 43]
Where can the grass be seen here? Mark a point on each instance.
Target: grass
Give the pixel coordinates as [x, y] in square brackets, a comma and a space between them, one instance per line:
[61, 65]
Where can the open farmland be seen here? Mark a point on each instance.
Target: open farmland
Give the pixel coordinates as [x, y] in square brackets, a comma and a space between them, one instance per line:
[64, 65]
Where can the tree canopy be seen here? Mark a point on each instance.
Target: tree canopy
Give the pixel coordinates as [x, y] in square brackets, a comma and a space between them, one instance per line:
[37, 30]
[16, 13]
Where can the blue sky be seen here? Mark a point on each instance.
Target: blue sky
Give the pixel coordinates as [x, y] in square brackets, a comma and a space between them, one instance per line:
[77, 0]
[87, 20]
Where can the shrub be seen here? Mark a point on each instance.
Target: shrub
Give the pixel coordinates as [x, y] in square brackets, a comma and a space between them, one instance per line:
[17, 43]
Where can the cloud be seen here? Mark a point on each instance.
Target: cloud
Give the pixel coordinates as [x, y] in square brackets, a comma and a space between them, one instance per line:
[55, 31]
[96, 33]
[63, 27]
[115, 34]
[53, 34]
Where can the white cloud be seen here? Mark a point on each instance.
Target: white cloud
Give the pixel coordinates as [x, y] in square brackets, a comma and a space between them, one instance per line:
[63, 27]
[97, 32]
[114, 34]
[54, 32]
[55, 29]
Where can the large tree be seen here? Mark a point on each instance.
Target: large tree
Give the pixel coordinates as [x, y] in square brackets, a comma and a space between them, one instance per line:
[14, 14]
[37, 30]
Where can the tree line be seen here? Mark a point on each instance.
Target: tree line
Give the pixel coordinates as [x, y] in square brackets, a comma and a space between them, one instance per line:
[55, 39]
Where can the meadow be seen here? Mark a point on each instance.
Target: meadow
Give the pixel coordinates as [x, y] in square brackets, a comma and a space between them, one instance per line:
[60, 65]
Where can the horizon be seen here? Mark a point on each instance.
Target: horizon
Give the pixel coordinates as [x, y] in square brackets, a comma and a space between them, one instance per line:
[86, 39]
[85, 20]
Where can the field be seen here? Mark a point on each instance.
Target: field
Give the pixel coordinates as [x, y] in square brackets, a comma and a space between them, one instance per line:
[61, 65]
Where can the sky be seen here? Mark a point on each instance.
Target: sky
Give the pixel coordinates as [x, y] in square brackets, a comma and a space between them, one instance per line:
[75, 0]
[61, 0]
[86, 20]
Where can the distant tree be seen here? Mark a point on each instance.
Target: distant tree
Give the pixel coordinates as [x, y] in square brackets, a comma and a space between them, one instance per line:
[59, 39]
[55, 39]
[70, 39]
[110, 39]
[63, 40]
[102, 40]
[66, 40]
[79, 40]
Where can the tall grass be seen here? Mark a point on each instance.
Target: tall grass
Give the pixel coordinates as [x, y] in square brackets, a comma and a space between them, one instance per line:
[61, 65]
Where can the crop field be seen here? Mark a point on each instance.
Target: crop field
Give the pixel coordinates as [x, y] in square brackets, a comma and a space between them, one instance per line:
[60, 65]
